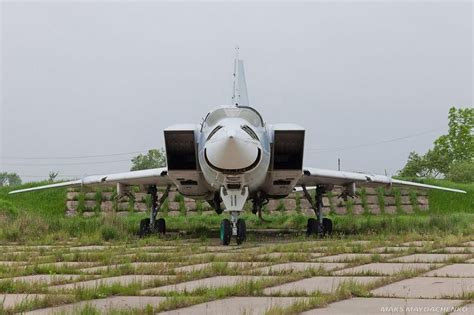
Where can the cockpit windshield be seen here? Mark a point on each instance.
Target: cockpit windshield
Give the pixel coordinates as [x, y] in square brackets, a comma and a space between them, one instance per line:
[247, 113]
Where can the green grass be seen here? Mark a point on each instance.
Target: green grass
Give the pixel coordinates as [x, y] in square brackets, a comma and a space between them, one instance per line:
[36, 228]
[50, 202]
[39, 217]
[445, 202]
[448, 202]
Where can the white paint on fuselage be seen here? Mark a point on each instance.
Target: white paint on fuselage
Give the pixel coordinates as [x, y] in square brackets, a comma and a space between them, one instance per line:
[232, 148]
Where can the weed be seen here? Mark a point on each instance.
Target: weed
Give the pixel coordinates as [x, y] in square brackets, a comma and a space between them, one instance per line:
[98, 201]
[414, 201]
[298, 202]
[11, 286]
[281, 206]
[182, 207]
[175, 302]
[398, 200]
[178, 197]
[199, 206]
[48, 300]
[131, 202]
[381, 199]
[81, 207]
[332, 206]
[363, 200]
[349, 206]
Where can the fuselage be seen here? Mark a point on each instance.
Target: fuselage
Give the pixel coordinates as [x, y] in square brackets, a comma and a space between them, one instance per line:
[234, 148]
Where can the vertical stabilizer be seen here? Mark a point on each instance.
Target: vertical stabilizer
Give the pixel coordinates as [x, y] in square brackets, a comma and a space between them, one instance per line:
[239, 95]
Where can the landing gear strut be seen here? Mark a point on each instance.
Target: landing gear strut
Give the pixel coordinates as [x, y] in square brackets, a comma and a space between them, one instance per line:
[151, 224]
[320, 226]
[215, 203]
[234, 200]
[258, 203]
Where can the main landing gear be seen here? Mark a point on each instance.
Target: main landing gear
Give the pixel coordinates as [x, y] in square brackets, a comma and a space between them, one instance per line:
[234, 200]
[319, 226]
[152, 225]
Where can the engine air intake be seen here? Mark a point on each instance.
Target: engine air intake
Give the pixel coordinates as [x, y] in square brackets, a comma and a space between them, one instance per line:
[288, 148]
[250, 132]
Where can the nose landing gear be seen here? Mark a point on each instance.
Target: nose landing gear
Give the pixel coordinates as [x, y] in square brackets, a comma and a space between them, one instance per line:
[233, 227]
[225, 232]
[234, 200]
[241, 231]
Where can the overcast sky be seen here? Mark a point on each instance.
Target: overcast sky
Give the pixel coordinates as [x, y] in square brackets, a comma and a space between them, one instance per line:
[98, 78]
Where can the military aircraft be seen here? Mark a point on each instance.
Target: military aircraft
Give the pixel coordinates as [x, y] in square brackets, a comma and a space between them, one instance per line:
[234, 156]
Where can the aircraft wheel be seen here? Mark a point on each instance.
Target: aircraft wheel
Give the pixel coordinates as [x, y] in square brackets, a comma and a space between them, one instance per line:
[327, 226]
[160, 226]
[225, 232]
[144, 227]
[312, 227]
[241, 231]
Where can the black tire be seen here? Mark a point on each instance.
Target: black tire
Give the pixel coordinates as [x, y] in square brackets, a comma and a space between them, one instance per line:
[327, 226]
[160, 226]
[312, 227]
[225, 232]
[144, 228]
[241, 231]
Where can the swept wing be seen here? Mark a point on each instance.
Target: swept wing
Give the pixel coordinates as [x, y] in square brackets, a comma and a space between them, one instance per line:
[317, 176]
[156, 176]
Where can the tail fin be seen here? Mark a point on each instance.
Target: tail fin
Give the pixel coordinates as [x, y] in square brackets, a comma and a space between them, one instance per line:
[239, 95]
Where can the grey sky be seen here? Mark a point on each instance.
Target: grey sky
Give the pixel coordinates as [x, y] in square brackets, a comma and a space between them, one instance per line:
[95, 78]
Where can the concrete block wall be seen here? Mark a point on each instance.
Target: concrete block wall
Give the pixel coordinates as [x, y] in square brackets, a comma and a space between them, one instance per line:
[89, 203]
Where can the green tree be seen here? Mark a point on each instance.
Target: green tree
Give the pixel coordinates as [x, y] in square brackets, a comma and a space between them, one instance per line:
[436, 162]
[9, 179]
[153, 159]
[451, 149]
[458, 144]
[415, 166]
[462, 172]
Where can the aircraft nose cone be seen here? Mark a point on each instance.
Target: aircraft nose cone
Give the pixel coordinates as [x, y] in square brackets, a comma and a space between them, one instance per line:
[231, 134]
[232, 152]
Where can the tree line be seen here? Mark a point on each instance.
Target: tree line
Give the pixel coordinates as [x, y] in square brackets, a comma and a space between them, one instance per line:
[452, 155]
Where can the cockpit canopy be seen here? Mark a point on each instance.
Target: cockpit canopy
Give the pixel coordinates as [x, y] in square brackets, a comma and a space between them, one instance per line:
[244, 112]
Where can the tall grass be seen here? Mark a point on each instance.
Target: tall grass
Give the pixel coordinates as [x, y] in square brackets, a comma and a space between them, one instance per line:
[50, 202]
[36, 228]
[386, 224]
[445, 202]
[448, 202]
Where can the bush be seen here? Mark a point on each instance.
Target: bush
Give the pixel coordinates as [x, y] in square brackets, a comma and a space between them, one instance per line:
[462, 172]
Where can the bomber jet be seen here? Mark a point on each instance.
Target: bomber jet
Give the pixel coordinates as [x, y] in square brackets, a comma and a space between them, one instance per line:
[234, 156]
